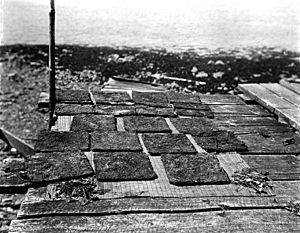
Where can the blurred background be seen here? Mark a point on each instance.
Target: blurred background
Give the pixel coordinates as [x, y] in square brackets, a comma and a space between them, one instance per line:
[170, 24]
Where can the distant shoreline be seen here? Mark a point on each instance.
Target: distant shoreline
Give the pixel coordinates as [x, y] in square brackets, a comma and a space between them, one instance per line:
[200, 50]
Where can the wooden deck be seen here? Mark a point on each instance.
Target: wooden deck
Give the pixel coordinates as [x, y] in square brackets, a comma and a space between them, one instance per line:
[281, 99]
[157, 205]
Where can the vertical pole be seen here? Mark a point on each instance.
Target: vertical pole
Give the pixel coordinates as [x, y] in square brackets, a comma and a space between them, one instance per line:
[52, 97]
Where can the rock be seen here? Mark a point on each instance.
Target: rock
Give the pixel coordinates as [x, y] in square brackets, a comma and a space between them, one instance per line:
[194, 70]
[201, 74]
[218, 75]
[219, 62]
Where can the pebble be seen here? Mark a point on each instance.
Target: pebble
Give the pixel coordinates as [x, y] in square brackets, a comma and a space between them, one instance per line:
[219, 62]
[201, 74]
[218, 75]
[194, 70]
[200, 83]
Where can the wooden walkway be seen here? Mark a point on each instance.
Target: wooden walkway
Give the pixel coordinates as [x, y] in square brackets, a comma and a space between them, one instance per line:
[281, 99]
[170, 133]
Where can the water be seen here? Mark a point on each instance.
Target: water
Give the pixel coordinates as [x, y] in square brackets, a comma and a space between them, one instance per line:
[171, 24]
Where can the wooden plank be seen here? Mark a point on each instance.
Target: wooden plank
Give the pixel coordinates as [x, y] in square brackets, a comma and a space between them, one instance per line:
[244, 110]
[292, 116]
[279, 167]
[220, 99]
[260, 129]
[246, 99]
[295, 87]
[232, 162]
[264, 96]
[63, 123]
[284, 93]
[231, 120]
[130, 85]
[282, 143]
[38, 204]
[15, 142]
[275, 220]
[286, 189]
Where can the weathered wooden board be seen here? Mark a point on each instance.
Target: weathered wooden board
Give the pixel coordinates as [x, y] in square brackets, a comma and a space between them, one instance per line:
[247, 99]
[232, 162]
[283, 143]
[220, 99]
[275, 220]
[295, 87]
[244, 110]
[286, 189]
[63, 123]
[230, 120]
[283, 92]
[15, 142]
[260, 129]
[37, 203]
[292, 116]
[114, 84]
[282, 101]
[279, 167]
[264, 96]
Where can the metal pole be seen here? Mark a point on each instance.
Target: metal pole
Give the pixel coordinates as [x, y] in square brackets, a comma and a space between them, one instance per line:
[52, 97]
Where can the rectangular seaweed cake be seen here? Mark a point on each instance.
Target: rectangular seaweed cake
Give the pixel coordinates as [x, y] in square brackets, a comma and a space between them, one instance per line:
[194, 169]
[120, 166]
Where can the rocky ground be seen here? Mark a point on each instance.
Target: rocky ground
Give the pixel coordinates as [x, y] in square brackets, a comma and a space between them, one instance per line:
[24, 74]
